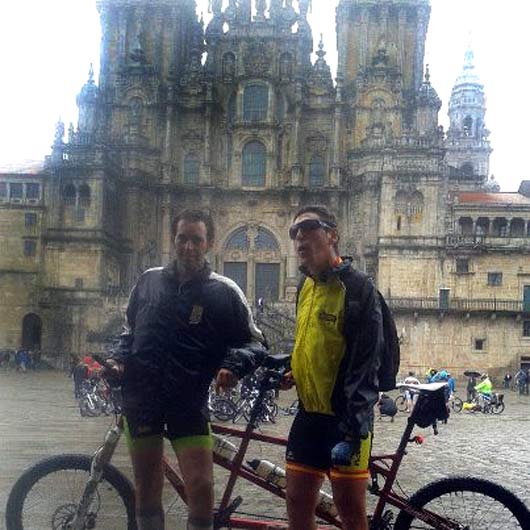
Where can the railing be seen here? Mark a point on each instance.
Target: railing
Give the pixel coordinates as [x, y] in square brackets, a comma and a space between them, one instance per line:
[475, 241]
[459, 304]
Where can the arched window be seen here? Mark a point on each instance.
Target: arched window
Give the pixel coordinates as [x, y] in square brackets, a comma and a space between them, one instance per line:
[416, 203]
[229, 65]
[286, 66]
[31, 332]
[317, 171]
[255, 103]
[69, 193]
[238, 240]
[254, 165]
[265, 240]
[465, 226]
[482, 226]
[467, 169]
[232, 108]
[517, 227]
[84, 196]
[191, 169]
[400, 202]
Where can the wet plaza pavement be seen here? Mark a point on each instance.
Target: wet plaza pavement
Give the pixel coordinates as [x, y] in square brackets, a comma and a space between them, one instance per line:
[39, 418]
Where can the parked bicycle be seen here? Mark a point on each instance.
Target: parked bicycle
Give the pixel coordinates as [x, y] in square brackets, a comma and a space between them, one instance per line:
[80, 492]
[487, 405]
[95, 398]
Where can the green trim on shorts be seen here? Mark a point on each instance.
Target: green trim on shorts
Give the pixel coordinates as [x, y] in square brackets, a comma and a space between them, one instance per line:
[178, 444]
[191, 442]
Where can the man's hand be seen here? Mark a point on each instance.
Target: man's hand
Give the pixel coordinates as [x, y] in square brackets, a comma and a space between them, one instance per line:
[225, 380]
[112, 369]
[287, 381]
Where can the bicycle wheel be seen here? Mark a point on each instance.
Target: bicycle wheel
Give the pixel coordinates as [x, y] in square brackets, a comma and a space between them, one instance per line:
[46, 496]
[223, 409]
[457, 404]
[401, 403]
[498, 408]
[467, 503]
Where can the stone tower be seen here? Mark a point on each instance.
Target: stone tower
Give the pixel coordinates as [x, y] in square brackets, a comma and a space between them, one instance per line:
[468, 147]
[392, 143]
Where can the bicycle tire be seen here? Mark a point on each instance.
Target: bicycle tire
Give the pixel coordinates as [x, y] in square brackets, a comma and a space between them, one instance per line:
[457, 404]
[224, 410]
[57, 506]
[449, 498]
[498, 408]
[401, 403]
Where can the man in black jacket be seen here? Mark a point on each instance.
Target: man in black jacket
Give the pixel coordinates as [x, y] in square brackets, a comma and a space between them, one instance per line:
[335, 361]
[185, 325]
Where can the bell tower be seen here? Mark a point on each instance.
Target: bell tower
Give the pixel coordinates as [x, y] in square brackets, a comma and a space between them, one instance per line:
[468, 147]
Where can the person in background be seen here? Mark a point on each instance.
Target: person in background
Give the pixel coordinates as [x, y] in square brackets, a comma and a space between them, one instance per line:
[507, 380]
[410, 396]
[471, 392]
[387, 407]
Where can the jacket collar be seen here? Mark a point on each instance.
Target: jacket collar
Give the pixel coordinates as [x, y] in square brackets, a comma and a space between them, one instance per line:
[202, 275]
[344, 265]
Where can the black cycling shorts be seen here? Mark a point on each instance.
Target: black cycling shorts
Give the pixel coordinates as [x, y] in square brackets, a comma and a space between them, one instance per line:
[311, 440]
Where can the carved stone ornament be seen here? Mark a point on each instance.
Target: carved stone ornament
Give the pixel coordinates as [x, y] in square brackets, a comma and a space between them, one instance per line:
[317, 143]
[192, 136]
[257, 59]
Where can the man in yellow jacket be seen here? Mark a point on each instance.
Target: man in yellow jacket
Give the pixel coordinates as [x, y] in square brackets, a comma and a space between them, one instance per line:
[336, 356]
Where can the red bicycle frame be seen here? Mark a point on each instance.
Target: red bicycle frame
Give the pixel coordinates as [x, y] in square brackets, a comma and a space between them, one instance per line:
[385, 465]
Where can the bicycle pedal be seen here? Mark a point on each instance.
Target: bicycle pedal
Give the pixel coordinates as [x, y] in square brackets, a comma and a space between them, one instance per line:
[223, 518]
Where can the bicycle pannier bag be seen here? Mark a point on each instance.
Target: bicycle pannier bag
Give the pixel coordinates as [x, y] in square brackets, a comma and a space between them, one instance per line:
[430, 408]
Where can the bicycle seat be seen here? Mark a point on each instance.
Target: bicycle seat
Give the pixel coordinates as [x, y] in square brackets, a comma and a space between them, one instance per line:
[424, 387]
[275, 362]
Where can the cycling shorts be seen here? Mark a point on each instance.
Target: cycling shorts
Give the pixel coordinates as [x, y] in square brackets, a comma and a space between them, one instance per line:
[312, 437]
[145, 431]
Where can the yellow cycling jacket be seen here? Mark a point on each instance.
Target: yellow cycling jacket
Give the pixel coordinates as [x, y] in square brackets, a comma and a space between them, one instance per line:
[339, 339]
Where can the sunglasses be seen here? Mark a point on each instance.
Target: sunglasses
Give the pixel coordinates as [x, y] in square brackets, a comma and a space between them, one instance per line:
[309, 225]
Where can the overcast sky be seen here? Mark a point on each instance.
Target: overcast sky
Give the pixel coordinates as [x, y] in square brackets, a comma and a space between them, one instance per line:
[46, 47]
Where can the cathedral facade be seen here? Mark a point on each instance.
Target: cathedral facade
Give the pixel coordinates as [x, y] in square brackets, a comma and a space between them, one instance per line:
[235, 118]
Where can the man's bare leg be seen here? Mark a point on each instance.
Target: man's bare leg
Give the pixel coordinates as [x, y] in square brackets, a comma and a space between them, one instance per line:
[149, 481]
[302, 498]
[349, 495]
[196, 465]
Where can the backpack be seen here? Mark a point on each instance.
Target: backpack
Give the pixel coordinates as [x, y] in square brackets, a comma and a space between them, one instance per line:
[391, 354]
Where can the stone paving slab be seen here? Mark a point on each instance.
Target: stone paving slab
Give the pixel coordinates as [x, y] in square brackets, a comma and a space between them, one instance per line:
[39, 417]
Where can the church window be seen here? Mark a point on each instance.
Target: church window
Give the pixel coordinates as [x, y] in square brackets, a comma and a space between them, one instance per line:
[468, 126]
[500, 227]
[254, 165]
[398, 225]
[480, 344]
[462, 265]
[317, 171]
[69, 193]
[401, 201]
[465, 226]
[84, 195]
[266, 241]
[191, 169]
[517, 227]
[15, 190]
[232, 108]
[526, 328]
[267, 281]
[416, 203]
[30, 219]
[30, 248]
[286, 66]
[229, 65]
[32, 190]
[3, 189]
[238, 240]
[255, 103]
[467, 169]
[237, 271]
[494, 279]
[80, 215]
[483, 226]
